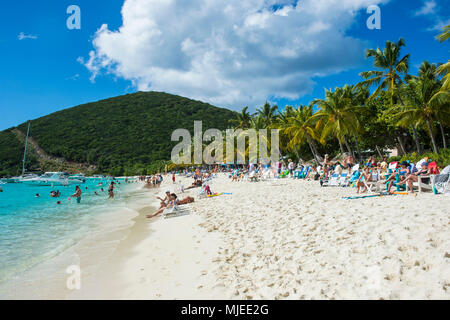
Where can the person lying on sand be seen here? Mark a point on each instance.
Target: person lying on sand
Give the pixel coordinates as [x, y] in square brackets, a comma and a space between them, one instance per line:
[186, 200]
[197, 183]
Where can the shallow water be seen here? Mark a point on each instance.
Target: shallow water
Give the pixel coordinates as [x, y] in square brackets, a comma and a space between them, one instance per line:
[34, 230]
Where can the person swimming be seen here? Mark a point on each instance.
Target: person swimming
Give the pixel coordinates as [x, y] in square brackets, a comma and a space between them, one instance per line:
[37, 195]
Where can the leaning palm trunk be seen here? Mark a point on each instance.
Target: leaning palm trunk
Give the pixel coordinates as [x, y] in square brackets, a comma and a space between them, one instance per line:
[357, 146]
[402, 146]
[433, 140]
[414, 131]
[297, 153]
[349, 148]
[379, 152]
[416, 139]
[443, 135]
[311, 146]
[341, 146]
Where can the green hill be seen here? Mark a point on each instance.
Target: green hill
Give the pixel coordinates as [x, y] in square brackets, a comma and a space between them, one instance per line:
[128, 134]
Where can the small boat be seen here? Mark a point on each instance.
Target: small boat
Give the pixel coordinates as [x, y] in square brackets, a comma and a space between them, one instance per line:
[77, 178]
[52, 179]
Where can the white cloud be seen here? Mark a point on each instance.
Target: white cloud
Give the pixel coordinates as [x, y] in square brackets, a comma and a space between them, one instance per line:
[229, 52]
[23, 36]
[431, 9]
[439, 25]
[427, 8]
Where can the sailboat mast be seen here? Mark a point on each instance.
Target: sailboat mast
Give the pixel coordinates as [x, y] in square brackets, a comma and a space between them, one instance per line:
[25, 152]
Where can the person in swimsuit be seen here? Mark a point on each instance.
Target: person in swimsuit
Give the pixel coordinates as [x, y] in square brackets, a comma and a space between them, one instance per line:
[170, 204]
[367, 175]
[164, 201]
[77, 194]
[413, 177]
[111, 190]
[326, 165]
[349, 162]
[403, 173]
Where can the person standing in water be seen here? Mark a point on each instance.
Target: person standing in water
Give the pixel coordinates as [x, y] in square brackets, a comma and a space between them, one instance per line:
[77, 194]
[111, 190]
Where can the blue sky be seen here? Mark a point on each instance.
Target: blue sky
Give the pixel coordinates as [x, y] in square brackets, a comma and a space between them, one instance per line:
[51, 68]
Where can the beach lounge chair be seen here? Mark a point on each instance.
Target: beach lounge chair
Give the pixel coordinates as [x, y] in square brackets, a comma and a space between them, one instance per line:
[343, 179]
[176, 210]
[333, 182]
[427, 182]
[441, 182]
[372, 185]
[305, 173]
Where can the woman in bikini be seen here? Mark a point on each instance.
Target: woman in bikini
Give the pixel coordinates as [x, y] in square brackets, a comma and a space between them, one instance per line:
[367, 175]
[326, 165]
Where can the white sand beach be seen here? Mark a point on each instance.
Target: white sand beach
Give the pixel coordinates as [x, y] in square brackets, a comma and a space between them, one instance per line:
[291, 240]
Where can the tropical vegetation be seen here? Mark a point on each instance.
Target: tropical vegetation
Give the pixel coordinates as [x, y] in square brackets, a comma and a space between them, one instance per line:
[389, 108]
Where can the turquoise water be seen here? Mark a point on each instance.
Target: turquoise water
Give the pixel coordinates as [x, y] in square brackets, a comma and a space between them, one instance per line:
[34, 229]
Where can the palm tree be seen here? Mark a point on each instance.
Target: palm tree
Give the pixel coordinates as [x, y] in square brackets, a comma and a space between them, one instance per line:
[337, 116]
[421, 107]
[430, 72]
[390, 78]
[444, 69]
[358, 97]
[445, 35]
[300, 129]
[268, 113]
[282, 120]
[242, 120]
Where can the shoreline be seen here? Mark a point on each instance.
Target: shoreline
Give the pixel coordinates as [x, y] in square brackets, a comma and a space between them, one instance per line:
[288, 240]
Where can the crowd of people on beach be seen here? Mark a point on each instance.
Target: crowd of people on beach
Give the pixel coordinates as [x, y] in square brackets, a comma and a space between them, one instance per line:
[357, 174]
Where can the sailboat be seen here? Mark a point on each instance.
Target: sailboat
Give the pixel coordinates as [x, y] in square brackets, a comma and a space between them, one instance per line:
[23, 177]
